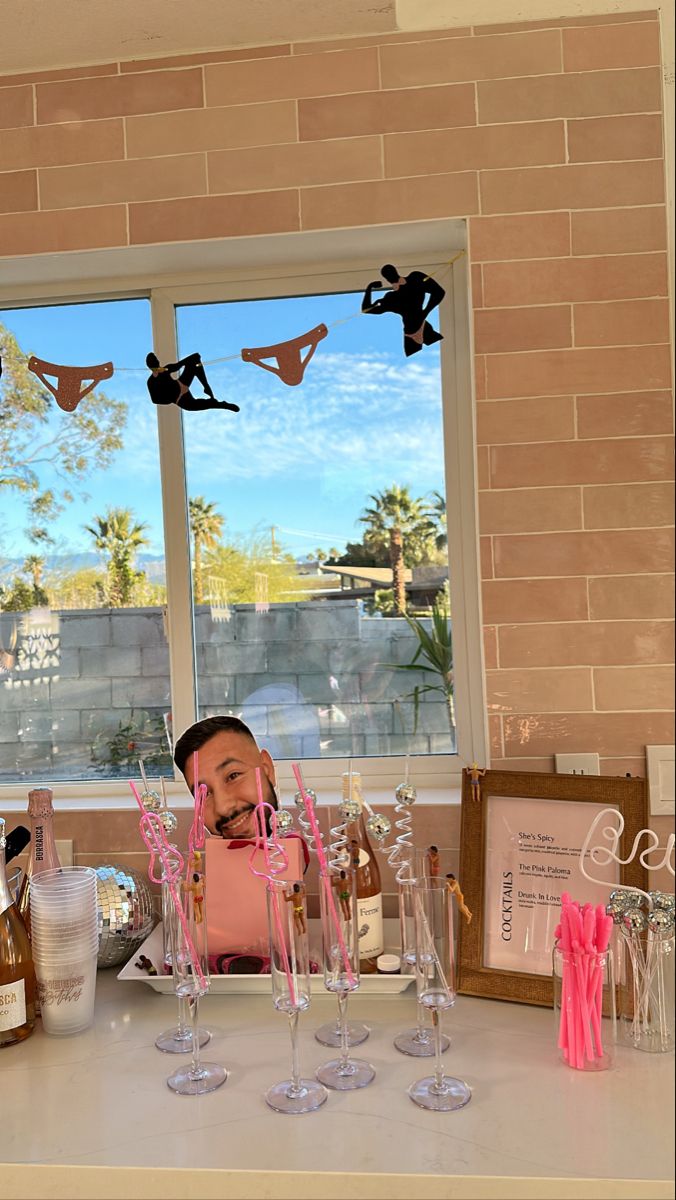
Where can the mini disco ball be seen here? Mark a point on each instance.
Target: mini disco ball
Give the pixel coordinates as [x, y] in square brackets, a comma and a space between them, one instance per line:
[125, 912]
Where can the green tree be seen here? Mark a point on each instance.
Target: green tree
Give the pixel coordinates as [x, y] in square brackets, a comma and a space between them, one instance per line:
[438, 509]
[36, 437]
[206, 527]
[434, 657]
[236, 564]
[118, 539]
[395, 519]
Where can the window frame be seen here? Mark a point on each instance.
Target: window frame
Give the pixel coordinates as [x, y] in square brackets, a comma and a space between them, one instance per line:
[440, 772]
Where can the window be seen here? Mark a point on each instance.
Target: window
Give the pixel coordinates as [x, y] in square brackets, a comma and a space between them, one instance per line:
[254, 507]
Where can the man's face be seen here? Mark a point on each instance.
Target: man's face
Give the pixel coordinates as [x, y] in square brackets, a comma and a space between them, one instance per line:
[227, 766]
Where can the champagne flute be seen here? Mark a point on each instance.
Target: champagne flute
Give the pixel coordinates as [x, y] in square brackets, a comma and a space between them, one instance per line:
[290, 973]
[191, 981]
[416, 1042]
[340, 935]
[178, 1038]
[435, 982]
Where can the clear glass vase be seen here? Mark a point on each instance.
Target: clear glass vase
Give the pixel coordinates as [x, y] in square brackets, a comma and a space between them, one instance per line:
[646, 991]
[584, 1008]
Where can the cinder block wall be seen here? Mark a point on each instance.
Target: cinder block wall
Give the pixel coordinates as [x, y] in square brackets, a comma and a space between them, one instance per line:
[547, 136]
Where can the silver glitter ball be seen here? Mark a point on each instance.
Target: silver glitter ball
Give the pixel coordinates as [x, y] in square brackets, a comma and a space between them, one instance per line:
[350, 810]
[615, 910]
[152, 801]
[284, 820]
[125, 912]
[635, 920]
[168, 821]
[665, 900]
[308, 792]
[379, 826]
[626, 898]
[405, 793]
[661, 921]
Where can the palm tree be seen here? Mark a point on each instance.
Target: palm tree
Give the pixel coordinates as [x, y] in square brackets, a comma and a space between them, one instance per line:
[34, 565]
[206, 527]
[394, 517]
[439, 516]
[116, 536]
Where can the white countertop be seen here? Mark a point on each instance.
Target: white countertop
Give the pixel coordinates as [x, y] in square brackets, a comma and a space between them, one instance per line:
[534, 1128]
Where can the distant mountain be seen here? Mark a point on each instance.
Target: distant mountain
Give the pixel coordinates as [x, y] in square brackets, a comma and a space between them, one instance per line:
[152, 564]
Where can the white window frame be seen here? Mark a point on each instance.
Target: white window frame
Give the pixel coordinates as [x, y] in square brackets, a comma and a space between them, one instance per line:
[438, 773]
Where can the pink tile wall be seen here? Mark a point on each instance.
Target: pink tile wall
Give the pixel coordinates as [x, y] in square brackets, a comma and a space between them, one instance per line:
[547, 137]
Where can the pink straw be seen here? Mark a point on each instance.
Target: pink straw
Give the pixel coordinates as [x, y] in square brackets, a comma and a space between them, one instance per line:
[155, 838]
[197, 835]
[276, 860]
[324, 871]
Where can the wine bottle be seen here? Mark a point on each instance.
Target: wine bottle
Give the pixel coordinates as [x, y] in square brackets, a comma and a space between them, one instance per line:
[369, 888]
[17, 974]
[43, 855]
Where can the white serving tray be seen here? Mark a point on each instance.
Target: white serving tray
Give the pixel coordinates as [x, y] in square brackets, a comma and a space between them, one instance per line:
[229, 985]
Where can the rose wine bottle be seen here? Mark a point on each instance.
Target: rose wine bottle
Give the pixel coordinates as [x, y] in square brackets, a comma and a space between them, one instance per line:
[369, 888]
[43, 856]
[17, 975]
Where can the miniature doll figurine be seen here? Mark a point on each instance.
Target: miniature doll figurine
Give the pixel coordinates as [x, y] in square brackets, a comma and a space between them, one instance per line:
[197, 889]
[433, 862]
[454, 888]
[475, 777]
[344, 895]
[296, 897]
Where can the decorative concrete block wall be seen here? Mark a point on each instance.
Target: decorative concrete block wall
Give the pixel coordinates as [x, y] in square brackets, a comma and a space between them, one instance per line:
[311, 679]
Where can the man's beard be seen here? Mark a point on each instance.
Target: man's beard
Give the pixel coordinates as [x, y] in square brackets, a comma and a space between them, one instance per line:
[223, 825]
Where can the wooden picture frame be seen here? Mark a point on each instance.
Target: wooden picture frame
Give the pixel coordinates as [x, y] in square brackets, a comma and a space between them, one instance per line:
[485, 794]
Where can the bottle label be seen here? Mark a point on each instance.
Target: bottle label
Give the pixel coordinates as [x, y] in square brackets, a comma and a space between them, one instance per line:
[370, 917]
[12, 1005]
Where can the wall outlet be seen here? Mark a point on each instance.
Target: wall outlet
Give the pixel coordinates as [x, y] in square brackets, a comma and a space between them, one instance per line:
[64, 849]
[577, 764]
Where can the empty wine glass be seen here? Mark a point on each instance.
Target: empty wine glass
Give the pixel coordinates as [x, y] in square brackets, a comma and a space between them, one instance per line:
[435, 983]
[178, 1038]
[191, 981]
[290, 972]
[340, 936]
[417, 1042]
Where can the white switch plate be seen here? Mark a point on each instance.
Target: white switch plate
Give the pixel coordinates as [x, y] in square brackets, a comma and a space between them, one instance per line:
[577, 764]
[661, 780]
[64, 849]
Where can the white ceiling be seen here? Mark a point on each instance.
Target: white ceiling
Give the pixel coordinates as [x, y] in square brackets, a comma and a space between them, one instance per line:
[37, 35]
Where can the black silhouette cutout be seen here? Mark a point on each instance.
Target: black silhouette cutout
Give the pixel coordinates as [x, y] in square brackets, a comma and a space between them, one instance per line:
[407, 298]
[288, 355]
[69, 391]
[164, 389]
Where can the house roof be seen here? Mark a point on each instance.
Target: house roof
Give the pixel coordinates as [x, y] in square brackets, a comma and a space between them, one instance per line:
[378, 576]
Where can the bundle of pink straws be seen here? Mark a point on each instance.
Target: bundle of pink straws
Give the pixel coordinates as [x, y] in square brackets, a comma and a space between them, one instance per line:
[583, 937]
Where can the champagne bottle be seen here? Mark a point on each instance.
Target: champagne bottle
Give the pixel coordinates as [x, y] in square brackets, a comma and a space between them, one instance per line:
[43, 855]
[17, 974]
[369, 888]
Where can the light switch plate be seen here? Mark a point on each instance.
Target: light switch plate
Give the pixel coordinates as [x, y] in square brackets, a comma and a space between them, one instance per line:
[661, 780]
[577, 764]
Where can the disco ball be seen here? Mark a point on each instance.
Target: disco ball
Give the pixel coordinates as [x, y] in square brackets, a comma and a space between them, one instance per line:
[125, 912]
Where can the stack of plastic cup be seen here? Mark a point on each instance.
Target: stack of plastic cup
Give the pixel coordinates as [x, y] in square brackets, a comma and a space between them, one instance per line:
[65, 940]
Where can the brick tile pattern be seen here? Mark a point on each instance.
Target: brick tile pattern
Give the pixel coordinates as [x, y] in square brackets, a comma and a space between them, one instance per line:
[547, 137]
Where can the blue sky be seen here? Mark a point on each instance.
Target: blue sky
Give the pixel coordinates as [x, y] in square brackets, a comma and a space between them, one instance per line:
[301, 458]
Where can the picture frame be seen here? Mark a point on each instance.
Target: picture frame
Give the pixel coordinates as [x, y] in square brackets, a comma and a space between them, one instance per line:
[533, 826]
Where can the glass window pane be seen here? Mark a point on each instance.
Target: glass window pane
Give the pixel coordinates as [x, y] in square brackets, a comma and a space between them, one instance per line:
[84, 668]
[307, 507]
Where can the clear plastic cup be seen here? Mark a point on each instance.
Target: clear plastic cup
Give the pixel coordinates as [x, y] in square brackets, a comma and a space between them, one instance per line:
[67, 993]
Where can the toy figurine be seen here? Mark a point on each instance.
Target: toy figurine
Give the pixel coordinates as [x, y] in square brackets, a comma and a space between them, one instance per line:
[433, 862]
[455, 890]
[296, 897]
[344, 894]
[475, 777]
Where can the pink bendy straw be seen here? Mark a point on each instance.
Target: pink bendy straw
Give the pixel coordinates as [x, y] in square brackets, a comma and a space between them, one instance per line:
[276, 861]
[324, 871]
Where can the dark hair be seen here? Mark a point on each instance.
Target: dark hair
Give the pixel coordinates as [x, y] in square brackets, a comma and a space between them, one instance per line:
[202, 731]
[389, 273]
[450, 875]
[152, 360]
